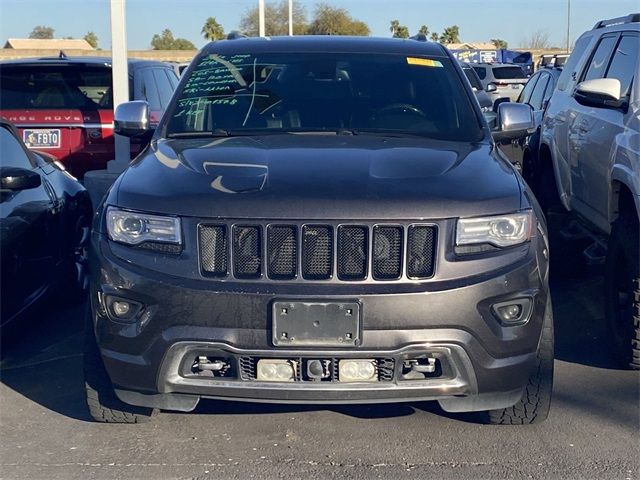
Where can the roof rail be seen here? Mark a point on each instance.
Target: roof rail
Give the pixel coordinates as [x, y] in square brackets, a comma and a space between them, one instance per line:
[421, 37]
[235, 34]
[631, 18]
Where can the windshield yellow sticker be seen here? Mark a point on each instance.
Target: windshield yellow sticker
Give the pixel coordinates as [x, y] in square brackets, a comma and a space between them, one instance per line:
[425, 62]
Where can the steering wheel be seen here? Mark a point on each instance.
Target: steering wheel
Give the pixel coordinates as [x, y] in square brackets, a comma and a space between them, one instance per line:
[400, 108]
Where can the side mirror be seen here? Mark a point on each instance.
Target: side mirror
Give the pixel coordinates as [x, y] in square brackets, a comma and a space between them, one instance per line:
[132, 119]
[491, 87]
[13, 178]
[600, 93]
[515, 120]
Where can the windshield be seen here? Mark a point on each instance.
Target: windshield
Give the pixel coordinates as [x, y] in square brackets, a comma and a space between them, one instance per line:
[504, 73]
[298, 92]
[53, 87]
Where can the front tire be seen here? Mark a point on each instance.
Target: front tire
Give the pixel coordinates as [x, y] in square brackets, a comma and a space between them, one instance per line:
[534, 405]
[104, 405]
[622, 295]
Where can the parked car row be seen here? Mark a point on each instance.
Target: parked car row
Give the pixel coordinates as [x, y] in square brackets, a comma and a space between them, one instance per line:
[64, 105]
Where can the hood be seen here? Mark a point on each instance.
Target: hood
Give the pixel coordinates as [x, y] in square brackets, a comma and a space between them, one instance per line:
[306, 176]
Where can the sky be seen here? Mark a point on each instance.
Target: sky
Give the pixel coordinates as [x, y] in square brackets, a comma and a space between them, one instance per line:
[479, 20]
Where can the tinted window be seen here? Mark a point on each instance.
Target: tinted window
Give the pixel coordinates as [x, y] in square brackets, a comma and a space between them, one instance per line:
[325, 92]
[481, 71]
[503, 73]
[165, 90]
[528, 88]
[150, 90]
[173, 78]
[538, 93]
[11, 152]
[570, 67]
[472, 77]
[54, 87]
[599, 60]
[623, 64]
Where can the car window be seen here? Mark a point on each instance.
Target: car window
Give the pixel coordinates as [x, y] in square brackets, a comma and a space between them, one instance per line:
[150, 90]
[569, 69]
[503, 73]
[473, 78]
[173, 78]
[55, 86]
[298, 92]
[537, 96]
[528, 88]
[600, 59]
[11, 152]
[481, 71]
[165, 90]
[623, 64]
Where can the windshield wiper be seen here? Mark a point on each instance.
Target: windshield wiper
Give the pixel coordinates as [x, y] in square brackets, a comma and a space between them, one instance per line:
[218, 132]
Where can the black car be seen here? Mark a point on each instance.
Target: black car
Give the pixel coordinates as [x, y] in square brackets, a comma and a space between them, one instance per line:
[45, 218]
[320, 220]
[523, 152]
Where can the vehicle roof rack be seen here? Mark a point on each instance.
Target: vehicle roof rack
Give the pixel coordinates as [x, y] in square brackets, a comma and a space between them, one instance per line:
[234, 35]
[631, 18]
[421, 37]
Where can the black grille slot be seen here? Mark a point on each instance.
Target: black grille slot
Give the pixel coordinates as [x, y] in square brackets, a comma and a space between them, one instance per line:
[247, 260]
[282, 252]
[387, 253]
[421, 251]
[317, 252]
[385, 369]
[213, 249]
[247, 368]
[353, 249]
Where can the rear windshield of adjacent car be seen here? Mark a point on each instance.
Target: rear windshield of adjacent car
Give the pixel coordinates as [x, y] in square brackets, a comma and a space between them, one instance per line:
[504, 73]
[55, 87]
[301, 92]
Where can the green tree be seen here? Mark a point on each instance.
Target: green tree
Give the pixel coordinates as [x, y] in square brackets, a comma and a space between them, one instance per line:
[435, 37]
[92, 39]
[42, 32]
[424, 30]
[212, 30]
[166, 41]
[276, 19]
[336, 21]
[499, 43]
[397, 30]
[450, 35]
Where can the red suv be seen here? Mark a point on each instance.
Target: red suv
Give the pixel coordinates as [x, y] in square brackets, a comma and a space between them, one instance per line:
[64, 105]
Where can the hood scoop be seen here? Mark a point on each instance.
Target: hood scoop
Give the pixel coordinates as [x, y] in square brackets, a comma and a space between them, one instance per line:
[237, 177]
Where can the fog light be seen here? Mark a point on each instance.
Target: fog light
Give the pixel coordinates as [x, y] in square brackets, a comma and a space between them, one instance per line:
[513, 312]
[357, 370]
[275, 370]
[121, 309]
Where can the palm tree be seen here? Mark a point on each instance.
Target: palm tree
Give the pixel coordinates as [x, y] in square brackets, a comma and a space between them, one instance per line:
[212, 30]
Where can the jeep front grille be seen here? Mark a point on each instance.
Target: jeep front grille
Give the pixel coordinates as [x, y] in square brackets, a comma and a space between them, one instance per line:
[317, 252]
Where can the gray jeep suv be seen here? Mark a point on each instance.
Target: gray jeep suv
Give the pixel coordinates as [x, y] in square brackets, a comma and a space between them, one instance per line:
[590, 160]
[320, 220]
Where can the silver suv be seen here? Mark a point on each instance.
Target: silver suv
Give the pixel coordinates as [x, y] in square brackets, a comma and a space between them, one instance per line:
[590, 151]
[507, 78]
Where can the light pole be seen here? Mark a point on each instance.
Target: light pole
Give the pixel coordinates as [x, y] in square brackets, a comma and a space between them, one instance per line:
[261, 18]
[290, 18]
[120, 80]
[568, 23]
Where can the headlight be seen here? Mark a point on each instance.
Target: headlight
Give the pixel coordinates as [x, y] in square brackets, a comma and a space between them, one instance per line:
[500, 231]
[134, 228]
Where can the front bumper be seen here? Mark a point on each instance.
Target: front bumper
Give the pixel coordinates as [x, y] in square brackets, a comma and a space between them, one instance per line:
[483, 365]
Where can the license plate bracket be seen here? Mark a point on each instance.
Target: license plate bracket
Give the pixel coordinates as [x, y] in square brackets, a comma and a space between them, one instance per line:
[315, 324]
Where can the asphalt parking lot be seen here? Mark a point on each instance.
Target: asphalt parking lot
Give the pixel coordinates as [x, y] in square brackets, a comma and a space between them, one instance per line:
[592, 431]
